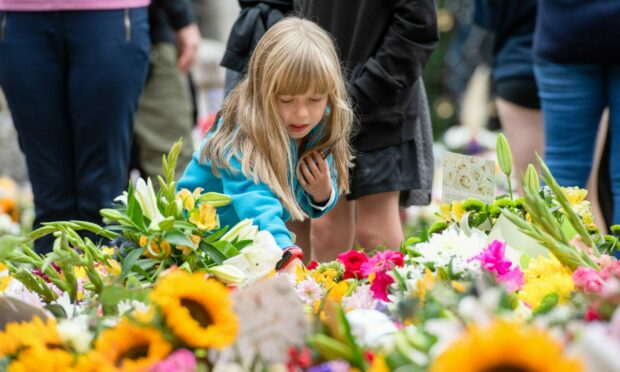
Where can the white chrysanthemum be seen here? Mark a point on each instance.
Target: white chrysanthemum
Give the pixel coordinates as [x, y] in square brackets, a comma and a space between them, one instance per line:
[309, 291]
[361, 298]
[452, 247]
[75, 333]
[17, 290]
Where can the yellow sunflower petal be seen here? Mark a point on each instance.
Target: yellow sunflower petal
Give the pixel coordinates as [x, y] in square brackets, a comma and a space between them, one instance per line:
[198, 311]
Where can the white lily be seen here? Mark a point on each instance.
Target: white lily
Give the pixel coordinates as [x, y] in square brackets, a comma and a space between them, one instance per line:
[146, 197]
[75, 333]
[257, 259]
[244, 230]
[228, 274]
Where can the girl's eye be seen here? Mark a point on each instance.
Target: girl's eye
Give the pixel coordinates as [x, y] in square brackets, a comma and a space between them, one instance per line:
[316, 99]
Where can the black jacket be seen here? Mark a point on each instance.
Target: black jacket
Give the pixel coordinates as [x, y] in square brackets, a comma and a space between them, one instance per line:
[255, 18]
[384, 45]
[168, 16]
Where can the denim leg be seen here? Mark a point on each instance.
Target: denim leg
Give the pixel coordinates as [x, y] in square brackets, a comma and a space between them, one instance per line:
[33, 71]
[573, 98]
[614, 132]
[108, 68]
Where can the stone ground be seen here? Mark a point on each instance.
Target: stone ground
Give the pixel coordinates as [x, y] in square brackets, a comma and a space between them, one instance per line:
[12, 162]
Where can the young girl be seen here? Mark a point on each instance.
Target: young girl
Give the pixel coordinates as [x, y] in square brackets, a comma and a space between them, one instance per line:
[280, 148]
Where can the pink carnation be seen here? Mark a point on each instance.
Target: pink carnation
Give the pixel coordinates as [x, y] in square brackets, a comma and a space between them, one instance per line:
[588, 280]
[512, 280]
[181, 360]
[381, 262]
[492, 258]
[380, 284]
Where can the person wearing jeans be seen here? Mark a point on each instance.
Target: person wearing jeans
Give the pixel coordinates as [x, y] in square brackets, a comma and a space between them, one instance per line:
[577, 70]
[72, 72]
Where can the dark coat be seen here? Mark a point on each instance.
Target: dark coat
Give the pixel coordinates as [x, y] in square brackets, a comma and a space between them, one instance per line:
[255, 18]
[384, 45]
[168, 16]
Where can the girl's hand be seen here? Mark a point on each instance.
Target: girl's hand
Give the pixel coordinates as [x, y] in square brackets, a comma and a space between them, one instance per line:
[315, 178]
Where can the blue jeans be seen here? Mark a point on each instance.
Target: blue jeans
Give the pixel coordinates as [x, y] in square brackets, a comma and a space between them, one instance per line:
[573, 98]
[72, 80]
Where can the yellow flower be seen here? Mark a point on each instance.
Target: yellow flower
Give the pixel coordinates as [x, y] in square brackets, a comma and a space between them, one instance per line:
[126, 347]
[301, 273]
[188, 198]
[35, 333]
[198, 311]
[158, 249]
[8, 198]
[143, 241]
[505, 347]
[338, 291]
[576, 198]
[326, 277]
[457, 211]
[42, 359]
[426, 283]
[451, 211]
[379, 365]
[5, 278]
[205, 217]
[546, 275]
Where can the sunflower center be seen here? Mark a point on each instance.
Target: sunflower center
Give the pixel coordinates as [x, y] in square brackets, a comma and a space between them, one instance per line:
[197, 312]
[507, 368]
[136, 352]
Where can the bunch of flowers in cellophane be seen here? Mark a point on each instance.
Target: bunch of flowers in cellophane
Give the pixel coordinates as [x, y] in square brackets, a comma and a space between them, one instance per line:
[147, 233]
[182, 320]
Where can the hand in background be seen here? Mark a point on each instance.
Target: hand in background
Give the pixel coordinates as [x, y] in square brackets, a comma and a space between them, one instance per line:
[188, 40]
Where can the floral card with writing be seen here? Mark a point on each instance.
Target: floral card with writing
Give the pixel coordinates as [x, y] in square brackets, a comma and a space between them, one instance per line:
[467, 177]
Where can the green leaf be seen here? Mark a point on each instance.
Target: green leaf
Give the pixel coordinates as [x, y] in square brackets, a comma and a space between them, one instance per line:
[226, 248]
[130, 260]
[167, 223]
[213, 253]
[178, 238]
[547, 304]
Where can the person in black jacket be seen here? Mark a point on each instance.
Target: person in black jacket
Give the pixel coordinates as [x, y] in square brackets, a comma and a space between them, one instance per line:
[165, 111]
[255, 18]
[384, 46]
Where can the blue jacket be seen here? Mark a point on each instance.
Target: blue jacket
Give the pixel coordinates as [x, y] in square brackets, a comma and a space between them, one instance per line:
[253, 200]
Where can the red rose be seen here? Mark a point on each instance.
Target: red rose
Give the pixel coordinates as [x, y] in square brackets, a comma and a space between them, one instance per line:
[353, 261]
[312, 265]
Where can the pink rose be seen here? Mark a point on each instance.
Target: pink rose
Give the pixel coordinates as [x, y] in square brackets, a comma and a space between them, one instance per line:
[382, 262]
[588, 280]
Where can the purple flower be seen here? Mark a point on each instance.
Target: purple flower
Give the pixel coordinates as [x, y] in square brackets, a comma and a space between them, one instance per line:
[334, 366]
[492, 258]
[181, 360]
[381, 262]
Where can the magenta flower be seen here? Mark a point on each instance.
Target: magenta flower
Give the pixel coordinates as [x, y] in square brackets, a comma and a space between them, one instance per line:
[381, 262]
[492, 258]
[588, 280]
[181, 360]
[512, 280]
[380, 284]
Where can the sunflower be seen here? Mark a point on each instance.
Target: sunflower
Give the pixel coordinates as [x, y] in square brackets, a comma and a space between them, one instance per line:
[35, 333]
[505, 347]
[198, 311]
[42, 359]
[127, 346]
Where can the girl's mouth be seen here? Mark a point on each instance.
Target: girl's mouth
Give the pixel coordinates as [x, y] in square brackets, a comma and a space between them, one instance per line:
[297, 128]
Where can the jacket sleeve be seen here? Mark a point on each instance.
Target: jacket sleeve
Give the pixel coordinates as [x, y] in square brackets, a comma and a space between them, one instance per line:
[308, 205]
[400, 58]
[179, 12]
[256, 201]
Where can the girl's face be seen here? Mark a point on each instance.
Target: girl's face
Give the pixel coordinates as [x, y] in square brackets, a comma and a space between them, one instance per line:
[301, 112]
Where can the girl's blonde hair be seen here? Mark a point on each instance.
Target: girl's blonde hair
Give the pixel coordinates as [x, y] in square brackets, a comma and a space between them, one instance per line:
[293, 56]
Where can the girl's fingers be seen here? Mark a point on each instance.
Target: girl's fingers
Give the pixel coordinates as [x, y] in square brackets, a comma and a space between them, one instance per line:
[312, 165]
[321, 163]
[306, 172]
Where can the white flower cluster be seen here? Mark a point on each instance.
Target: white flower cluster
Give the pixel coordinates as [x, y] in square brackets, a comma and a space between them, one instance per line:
[452, 248]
